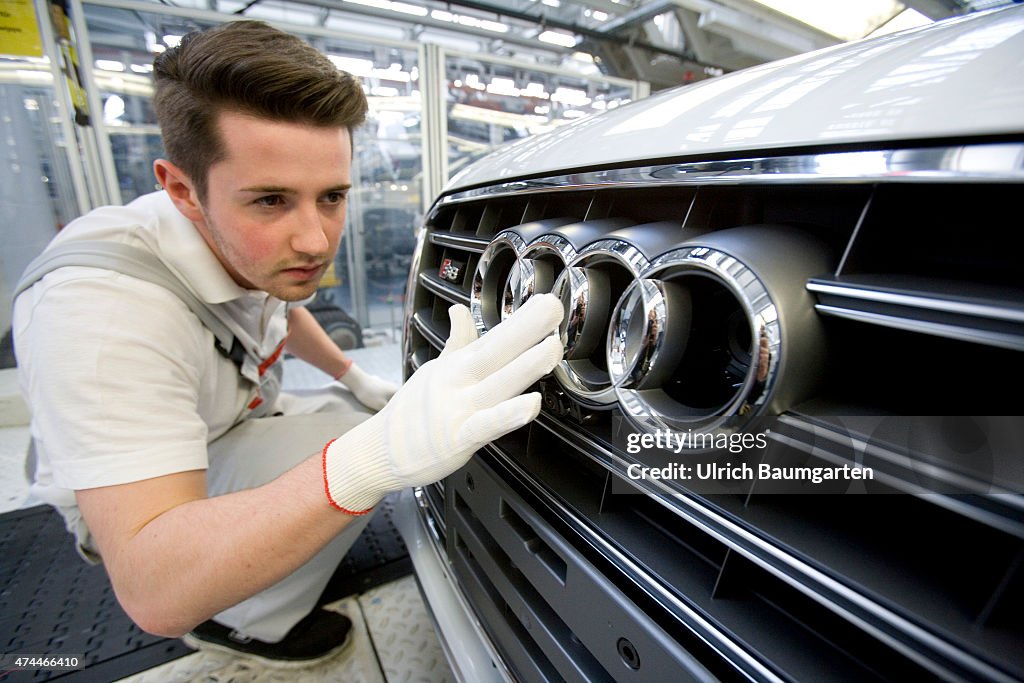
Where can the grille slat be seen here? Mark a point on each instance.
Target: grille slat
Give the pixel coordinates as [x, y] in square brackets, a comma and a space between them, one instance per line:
[444, 290]
[844, 440]
[464, 242]
[431, 332]
[980, 319]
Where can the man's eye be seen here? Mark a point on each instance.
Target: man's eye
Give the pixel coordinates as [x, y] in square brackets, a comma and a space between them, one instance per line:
[335, 197]
[270, 200]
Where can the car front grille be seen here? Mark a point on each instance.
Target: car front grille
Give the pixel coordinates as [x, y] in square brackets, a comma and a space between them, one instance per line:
[894, 283]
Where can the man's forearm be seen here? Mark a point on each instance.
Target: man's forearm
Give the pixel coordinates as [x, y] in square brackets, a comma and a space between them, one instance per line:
[203, 556]
[308, 341]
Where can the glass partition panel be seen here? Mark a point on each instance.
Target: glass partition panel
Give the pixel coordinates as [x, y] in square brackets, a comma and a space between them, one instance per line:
[37, 197]
[124, 43]
[491, 103]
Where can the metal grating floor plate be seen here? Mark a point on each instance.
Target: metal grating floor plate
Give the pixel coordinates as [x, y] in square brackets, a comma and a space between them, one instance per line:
[357, 663]
[393, 642]
[403, 634]
[52, 602]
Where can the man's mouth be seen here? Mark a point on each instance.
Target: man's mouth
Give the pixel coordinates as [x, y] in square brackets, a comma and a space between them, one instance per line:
[305, 272]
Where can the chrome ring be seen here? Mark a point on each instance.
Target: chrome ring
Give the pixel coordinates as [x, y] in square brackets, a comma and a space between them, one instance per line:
[648, 333]
[555, 245]
[633, 347]
[540, 263]
[586, 293]
[491, 294]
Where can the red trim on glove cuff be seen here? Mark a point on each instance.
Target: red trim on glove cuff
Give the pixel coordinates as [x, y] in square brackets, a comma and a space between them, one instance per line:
[344, 369]
[327, 488]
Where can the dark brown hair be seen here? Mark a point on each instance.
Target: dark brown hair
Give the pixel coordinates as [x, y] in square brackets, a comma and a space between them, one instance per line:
[251, 68]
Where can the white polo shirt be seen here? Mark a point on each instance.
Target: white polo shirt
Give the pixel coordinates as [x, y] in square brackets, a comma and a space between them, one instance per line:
[123, 380]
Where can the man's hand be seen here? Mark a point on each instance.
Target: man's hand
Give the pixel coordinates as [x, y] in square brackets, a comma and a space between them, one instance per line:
[449, 408]
[372, 391]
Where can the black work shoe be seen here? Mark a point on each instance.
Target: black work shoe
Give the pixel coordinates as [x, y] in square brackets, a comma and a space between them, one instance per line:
[320, 635]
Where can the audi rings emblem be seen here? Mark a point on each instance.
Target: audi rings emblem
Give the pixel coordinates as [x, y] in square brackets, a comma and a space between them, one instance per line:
[688, 342]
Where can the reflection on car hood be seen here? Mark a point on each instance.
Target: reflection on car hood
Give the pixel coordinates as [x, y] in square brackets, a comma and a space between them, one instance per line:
[956, 78]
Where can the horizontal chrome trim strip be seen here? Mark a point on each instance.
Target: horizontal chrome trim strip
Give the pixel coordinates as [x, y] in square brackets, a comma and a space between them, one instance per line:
[1000, 162]
[918, 301]
[473, 244]
[424, 328]
[960, 482]
[817, 585]
[443, 289]
[955, 503]
[1003, 340]
[723, 641]
[880, 476]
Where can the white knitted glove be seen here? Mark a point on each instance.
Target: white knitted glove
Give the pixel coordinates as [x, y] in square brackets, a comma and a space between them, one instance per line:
[449, 408]
[372, 391]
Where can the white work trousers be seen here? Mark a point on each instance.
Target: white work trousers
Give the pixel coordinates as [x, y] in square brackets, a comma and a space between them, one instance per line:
[258, 451]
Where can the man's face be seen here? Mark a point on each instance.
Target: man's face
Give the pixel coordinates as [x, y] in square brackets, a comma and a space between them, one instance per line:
[275, 205]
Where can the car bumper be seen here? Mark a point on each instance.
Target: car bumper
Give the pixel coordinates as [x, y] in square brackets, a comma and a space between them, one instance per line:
[470, 654]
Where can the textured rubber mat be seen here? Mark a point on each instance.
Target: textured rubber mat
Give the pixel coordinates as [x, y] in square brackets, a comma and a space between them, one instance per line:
[53, 603]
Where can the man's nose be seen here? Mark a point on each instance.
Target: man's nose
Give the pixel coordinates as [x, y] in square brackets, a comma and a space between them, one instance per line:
[309, 235]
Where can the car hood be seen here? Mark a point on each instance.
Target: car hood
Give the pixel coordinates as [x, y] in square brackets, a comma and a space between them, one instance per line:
[952, 79]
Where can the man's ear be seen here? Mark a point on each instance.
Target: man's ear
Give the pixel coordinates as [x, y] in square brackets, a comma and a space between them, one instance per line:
[179, 188]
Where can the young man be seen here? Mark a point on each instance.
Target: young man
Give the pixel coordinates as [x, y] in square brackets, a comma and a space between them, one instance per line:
[217, 504]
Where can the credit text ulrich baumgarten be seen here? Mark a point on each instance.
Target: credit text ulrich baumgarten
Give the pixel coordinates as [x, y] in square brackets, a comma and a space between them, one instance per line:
[745, 472]
[677, 442]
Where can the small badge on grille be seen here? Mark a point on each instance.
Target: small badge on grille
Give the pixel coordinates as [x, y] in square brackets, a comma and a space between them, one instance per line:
[451, 270]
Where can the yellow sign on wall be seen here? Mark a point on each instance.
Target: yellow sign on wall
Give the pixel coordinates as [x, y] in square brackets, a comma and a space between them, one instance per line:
[19, 31]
